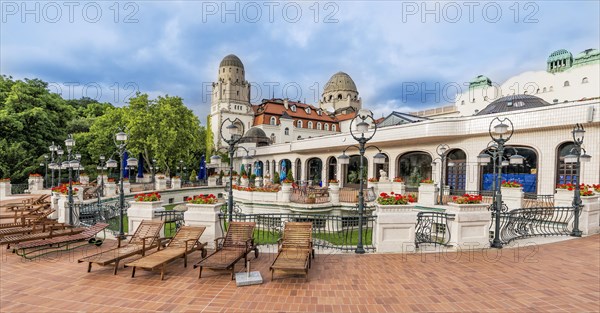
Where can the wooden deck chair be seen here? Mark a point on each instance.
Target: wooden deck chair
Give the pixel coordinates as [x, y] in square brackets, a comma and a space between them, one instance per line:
[295, 250]
[33, 224]
[143, 239]
[24, 210]
[183, 243]
[39, 200]
[53, 232]
[236, 244]
[24, 249]
[90, 192]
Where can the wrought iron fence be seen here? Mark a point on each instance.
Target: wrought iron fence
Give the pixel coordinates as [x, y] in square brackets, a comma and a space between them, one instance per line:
[530, 222]
[535, 201]
[350, 195]
[18, 189]
[329, 231]
[433, 228]
[486, 195]
[142, 187]
[309, 196]
[189, 184]
[99, 212]
[173, 221]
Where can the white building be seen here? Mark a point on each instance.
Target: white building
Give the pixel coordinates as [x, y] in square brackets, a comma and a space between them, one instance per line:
[568, 92]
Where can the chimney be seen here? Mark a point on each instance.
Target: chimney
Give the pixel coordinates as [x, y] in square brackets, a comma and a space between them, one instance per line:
[286, 104]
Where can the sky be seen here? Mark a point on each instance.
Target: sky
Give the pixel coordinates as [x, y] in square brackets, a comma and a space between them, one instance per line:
[402, 55]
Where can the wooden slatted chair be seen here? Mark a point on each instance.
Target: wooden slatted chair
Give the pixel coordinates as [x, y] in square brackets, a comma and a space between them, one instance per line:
[32, 224]
[24, 249]
[236, 244]
[295, 250]
[143, 239]
[21, 211]
[183, 243]
[54, 232]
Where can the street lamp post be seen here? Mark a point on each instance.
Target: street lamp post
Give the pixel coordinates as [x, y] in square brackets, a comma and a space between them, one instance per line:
[102, 167]
[59, 153]
[235, 135]
[45, 164]
[362, 127]
[121, 143]
[441, 152]
[71, 162]
[501, 135]
[575, 157]
[53, 165]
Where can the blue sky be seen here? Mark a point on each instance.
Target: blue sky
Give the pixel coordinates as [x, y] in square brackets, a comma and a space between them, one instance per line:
[107, 50]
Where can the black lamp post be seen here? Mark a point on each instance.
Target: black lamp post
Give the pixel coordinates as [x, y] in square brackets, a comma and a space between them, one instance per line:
[441, 152]
[102, 167]
[53, 165]
[235, 135]
[575, 157]
[501, 135]
[45, 164]
[362, 127]
[70, 163]
[121, 143]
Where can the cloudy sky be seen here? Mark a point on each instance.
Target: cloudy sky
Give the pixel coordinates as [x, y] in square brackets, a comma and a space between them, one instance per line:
[108, 50]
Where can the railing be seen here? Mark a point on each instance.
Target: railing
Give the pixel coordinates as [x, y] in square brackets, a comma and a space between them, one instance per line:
[99, 212]
[530, 222]
[538, 201]
[433, 228]
[329, 231]
[348, 194]
[173, 221]
[142, 187]
[18, 189]
[309, 195]
[188, 184]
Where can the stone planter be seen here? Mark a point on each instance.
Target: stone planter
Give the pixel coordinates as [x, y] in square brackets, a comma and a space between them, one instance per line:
[384, 186]
[5, 189]
[175, 183]
[398, 188]
[36, 184]
[142, 210]
[589, 221]
[63, 207]
[244, 182]
[512, 197]
[84, 179]
[258, 181]
[126, 187]
[266, 181]
[286, 192]
[212, 181]
[206, 215]
[110, 189]
[470, 227]
[563, 197]
[334, 192]
[160, 183]
[374, 185]
[427, 194]
[99, 179]
[236, 180]
[395, 228]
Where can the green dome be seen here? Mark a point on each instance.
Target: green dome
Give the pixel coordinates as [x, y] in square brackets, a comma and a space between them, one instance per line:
[560, 55]
[586, 56]
[480, 80]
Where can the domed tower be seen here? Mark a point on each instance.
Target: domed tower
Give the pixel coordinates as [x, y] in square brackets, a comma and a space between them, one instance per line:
[230, 97]
[340, 92]
[559, 61]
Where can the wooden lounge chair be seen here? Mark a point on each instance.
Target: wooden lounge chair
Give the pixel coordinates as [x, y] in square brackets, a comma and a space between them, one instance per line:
[24, 249]
[54, 232]
[39, 200]
[236, 244]
[90, 192]
[24, 211]
[38, 223]
[295, 249]
[183, 243]
[144, 239]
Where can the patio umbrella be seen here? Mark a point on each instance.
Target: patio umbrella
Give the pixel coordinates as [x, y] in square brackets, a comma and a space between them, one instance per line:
[140, 173]
[283, 173]
[202, 171]
[124, 165]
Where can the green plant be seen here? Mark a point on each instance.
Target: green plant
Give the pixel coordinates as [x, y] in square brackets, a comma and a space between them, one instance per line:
[253, 177]
[203, 199]
[289, 178]
[276, 178]
[244, 174]
[221, 174]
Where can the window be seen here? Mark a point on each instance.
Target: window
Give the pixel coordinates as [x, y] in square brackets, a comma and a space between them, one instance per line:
[544, 90]
[551, 88]
[462, 102]
[584, 80]
[333, 128]
[566, 84]
[238, 92]
[310, 125]
[340, 96]
[326, 126]
[237, 70]
[299, 124]
[293, 107]
[273, 120]
[299, 137]
[307, 110]
[319, 126]
[287, 131]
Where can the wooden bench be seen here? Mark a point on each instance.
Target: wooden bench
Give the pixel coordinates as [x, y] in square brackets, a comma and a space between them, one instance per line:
[295, 249]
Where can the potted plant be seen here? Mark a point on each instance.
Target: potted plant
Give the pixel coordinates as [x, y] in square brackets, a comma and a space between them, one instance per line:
[203, 199]
[427, 181]
[468, 203]
[511, 184]
[394, 199]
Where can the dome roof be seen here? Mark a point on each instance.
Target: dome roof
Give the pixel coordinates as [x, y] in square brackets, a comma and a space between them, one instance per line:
[559, 55]
[480, 80]
[231, 60]
[256, 135]
[588, 53]
[340, 81]
[513, 103]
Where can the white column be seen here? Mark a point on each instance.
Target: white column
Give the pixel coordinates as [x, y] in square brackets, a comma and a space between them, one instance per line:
[206, 215]
[5, 189]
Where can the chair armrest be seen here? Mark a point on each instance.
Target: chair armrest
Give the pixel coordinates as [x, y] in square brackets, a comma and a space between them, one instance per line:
[217, 242]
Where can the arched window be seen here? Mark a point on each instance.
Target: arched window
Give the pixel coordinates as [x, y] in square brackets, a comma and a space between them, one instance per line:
[293, 107]
[326, 126]
[299, 124]
[307, 110]
[330, 97]
[333, 127]
[456, 169]
[544, 90]
[310, 125]
[319, 126]
[525, 174]
[272, 138]
[287, 131]
[566, 84]
[352, 171]
[340, 96]
[551, 88]
[584, 80]
[565, 173]
[332, 168]
[314, 168]
[299, 137]
[273, 120]
[414, 167]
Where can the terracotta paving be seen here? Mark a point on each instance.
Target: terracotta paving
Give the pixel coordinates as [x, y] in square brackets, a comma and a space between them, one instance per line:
[560, 277]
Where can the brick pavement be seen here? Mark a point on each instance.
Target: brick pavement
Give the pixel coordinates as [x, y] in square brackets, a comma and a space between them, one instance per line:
[561, 276]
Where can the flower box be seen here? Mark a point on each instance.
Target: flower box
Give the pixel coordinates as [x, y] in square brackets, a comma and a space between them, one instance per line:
[477, 207]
